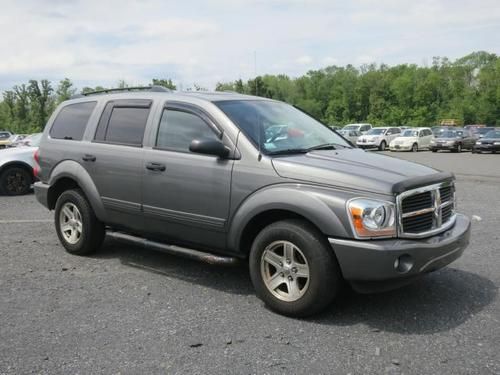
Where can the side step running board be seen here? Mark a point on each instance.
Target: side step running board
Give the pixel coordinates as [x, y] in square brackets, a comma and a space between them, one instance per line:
[175, 250]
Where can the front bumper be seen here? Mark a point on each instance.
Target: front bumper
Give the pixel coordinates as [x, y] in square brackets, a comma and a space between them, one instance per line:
[367, 145]
[376, 260]
[487, 147]
[443, 146]
[400, 147]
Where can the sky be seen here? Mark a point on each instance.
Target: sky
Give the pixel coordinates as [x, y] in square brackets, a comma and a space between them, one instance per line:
[204, 42]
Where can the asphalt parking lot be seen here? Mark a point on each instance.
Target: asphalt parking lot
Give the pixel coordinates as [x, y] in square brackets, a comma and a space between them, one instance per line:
[127, 310]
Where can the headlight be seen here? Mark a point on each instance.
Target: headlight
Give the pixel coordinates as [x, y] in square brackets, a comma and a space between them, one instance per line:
[496, 143]
[433, 141]
[372, 218]
[478, 143]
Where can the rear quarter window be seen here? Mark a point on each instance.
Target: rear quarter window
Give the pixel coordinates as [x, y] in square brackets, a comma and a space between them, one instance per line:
[71, 121]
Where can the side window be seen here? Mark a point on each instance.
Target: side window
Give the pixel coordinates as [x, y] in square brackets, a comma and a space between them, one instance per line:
[123, 122]
[178, 128]
[71, 121]
[396, 130]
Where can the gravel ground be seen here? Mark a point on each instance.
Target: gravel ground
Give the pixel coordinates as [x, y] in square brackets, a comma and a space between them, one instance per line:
[127, 310]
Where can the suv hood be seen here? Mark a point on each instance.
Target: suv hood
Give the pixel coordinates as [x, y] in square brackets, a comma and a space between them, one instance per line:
[351, 168]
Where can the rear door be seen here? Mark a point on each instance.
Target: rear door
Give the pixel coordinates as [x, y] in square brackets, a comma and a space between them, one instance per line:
[115, 159]
[186, 195]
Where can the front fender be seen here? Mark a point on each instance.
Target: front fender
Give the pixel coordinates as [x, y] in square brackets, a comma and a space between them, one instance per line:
[325, 208]
[73, 170]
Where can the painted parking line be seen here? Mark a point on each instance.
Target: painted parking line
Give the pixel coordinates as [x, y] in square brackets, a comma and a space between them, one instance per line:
[25, 221]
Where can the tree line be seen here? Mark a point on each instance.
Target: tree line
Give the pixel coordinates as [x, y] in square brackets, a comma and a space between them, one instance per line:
[467, 89]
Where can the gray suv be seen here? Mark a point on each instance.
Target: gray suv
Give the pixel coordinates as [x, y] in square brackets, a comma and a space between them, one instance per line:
[223, 177]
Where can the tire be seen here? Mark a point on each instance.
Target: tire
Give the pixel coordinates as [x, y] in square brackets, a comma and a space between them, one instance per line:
[434, 150]
[312, 257]
[459, 148]
[382, 146]
[414, 147]
[15, 181]
[85, 232]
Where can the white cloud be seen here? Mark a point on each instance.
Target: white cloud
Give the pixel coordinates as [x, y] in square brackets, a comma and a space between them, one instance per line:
[304, 60]
[100, 42]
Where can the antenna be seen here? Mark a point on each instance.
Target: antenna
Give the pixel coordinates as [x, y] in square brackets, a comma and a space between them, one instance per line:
[255, 69]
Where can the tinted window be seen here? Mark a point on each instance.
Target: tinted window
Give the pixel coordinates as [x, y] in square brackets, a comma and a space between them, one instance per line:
[126, 125]
[178, 128]
[71, 121]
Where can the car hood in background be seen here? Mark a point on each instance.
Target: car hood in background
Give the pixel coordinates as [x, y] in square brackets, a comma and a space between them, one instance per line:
[350, 168]
[489, 140]
[15, 152]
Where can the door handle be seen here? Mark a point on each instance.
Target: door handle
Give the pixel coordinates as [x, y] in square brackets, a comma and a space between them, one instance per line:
[155, 167]
[87, 157]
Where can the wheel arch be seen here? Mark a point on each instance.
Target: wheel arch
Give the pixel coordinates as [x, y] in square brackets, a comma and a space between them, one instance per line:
[18, 164]
[69, 175]
[268, 206]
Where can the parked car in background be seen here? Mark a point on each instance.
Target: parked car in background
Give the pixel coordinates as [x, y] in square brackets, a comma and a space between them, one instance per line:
[481, 132]
[17, 168]
[379, 137]
[412, 140]
[362, 128]
[454, 140]
[5, 138]
[16, 140]
[490, 142]
[351, 135]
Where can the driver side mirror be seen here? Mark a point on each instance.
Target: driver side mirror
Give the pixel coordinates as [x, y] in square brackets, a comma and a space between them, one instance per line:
[209, 147]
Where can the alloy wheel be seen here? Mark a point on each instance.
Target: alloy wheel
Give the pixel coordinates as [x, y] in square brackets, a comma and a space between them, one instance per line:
[285, 271]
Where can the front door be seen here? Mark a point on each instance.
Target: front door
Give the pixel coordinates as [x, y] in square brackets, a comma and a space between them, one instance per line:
[186, 195]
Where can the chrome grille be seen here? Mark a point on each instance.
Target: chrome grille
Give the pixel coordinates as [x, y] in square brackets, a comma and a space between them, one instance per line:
[427, 210]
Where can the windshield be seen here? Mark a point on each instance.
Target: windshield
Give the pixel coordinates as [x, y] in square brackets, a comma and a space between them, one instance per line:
[279, 127]
[410, 133]
[351, 127]
[484, 130]
[451, 134]
[376, 131]
[4, 135]
[492, 134]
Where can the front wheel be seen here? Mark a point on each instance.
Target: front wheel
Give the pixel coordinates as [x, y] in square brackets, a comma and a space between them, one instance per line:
[382, 146]
[414, 148]
[293, 268]
[459, 148]
[78, 229]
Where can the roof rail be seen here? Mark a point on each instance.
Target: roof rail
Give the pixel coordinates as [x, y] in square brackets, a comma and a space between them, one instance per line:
[138, 88]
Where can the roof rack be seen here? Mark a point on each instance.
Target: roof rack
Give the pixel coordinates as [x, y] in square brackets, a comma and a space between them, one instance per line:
[138, 88]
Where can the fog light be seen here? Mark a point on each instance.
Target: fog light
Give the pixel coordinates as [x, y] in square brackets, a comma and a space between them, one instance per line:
[403, 264]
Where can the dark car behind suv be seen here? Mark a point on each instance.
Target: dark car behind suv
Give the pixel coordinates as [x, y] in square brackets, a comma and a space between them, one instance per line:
[205, 175]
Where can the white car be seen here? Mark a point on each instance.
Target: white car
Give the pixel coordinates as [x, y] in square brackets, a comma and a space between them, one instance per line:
[363, 128]
[17, 167]
[378, 138]
[351, 135]
[412, 140]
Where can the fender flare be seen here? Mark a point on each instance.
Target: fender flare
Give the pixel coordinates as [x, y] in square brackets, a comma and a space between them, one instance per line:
[73, 170]
[309, 202]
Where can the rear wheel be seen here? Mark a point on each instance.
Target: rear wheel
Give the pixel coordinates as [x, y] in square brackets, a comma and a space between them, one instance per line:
[459, 148]
[293, 268]
[414, 147]
[15, 181]
[78, 229]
